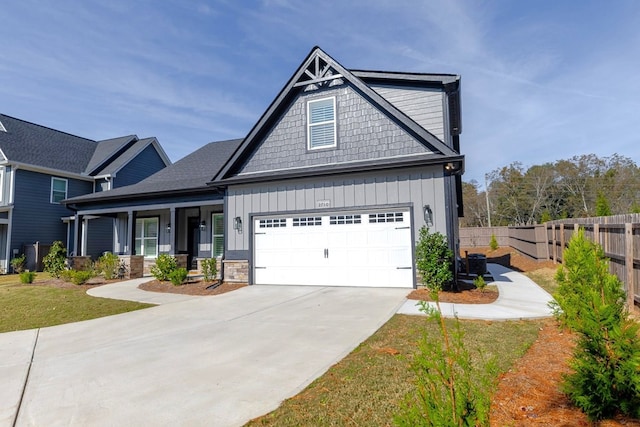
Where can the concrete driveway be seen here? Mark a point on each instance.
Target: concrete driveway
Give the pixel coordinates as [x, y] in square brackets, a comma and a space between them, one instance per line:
[217, 361]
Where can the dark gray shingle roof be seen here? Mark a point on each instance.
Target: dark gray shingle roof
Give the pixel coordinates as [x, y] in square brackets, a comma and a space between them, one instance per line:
[106, 148]
[37, 145]
[124, 158]
[191, 172]
[41, 146]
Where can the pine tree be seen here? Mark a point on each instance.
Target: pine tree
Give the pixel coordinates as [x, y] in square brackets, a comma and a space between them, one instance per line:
[606, 362]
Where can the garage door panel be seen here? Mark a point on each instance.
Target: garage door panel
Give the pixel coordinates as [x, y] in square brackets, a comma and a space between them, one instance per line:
[335, 250]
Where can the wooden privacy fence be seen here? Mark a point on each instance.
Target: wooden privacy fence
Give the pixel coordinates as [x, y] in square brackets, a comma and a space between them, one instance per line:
[619, 236]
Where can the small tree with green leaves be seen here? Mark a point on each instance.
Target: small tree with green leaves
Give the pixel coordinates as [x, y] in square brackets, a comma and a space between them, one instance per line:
[480, 283]
[605, 375]
[434, 260]
[602, 205]
[493, 244]
[165, 265]
[55, 262]
[18, 263]
[449, 391]
[209, 269]
[108, 265]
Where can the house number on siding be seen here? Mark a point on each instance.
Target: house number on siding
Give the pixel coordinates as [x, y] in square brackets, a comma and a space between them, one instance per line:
[323, 203]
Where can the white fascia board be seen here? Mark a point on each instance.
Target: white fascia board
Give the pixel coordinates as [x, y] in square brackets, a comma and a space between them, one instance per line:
[154, 207]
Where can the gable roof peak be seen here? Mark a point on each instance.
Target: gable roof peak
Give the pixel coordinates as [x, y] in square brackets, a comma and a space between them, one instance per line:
[319, 69]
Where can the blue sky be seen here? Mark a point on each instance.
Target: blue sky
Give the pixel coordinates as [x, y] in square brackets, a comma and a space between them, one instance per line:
[541, 81]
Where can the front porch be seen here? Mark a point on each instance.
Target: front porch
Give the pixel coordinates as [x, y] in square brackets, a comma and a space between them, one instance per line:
[190, 232]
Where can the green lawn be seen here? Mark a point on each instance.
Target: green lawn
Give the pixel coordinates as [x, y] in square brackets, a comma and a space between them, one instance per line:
[27, 306]
[545, 277]
[366, 387]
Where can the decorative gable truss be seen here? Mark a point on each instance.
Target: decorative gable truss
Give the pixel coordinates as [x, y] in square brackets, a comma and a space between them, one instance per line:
[317, 74]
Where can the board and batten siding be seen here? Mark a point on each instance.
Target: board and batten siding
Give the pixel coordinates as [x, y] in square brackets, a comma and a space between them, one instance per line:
[363, 133]
[425, 106]
[408, 187]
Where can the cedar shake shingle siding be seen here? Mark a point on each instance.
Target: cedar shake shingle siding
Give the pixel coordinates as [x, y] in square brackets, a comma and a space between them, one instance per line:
[364, 133]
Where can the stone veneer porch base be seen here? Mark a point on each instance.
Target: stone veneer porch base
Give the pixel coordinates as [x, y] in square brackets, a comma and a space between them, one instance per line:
[236, 271]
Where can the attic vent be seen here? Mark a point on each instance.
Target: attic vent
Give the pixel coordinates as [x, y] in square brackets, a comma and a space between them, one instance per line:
[2, 128]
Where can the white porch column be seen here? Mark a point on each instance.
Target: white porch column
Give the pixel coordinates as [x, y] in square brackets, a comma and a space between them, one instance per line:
[85, 232]
[172, 232]
[129, 240]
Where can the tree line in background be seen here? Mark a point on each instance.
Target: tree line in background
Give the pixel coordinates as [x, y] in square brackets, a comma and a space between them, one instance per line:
[582, 186]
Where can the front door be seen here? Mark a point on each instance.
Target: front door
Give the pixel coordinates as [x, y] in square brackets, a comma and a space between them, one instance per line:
[193, 241]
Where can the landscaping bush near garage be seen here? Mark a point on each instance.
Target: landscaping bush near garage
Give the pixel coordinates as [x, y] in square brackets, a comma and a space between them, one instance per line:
[49, 302]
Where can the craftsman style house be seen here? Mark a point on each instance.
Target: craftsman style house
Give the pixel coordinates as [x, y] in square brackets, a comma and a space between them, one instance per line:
[330, 186]
[40, 167]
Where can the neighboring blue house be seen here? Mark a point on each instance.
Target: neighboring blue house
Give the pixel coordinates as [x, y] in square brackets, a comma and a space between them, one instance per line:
[40, 167]
[330, 186]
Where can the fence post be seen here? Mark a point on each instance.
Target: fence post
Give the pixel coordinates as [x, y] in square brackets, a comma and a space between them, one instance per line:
[628, 263]
[562, 242]
[554, 242]
[596, 233]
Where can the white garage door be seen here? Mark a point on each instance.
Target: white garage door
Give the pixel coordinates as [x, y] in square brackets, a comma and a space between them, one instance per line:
[359, 249]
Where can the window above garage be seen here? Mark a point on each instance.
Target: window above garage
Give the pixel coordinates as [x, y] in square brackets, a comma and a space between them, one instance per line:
[321, 123]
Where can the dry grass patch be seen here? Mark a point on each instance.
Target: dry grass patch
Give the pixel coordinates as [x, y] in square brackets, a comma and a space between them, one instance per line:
[545, 277]
[367, 387]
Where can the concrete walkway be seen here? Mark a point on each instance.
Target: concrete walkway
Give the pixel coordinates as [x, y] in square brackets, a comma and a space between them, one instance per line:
[128, 290]
[520, 298]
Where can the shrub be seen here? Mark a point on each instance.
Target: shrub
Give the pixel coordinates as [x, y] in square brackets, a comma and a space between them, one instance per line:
[27, 277]
[605, 375]
[449, 391]
[493, 244]
[108, 265]
[80, 277]
[55, 260]
[178, 276]
[480, 283]
[433, 260]
[18, 264]
[209, 269]
[165, 264]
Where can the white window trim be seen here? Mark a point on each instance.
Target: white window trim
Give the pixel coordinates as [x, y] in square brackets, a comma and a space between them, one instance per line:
[310, 125]
[2, 174]
[213, 235]
[66, 189]
[142, 237]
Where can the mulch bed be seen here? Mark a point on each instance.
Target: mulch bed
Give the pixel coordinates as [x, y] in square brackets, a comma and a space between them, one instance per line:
[61, 284]
[194, 288]
[466, 294]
